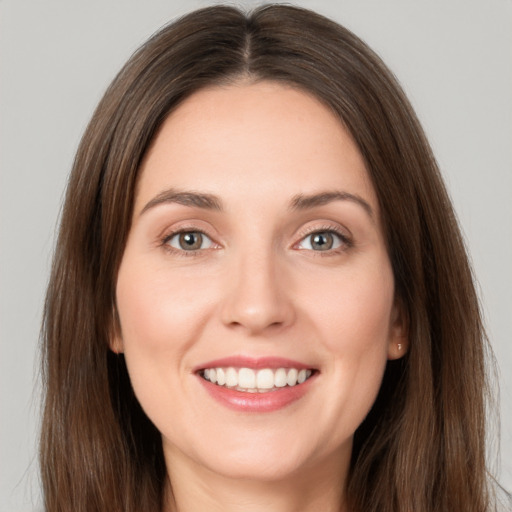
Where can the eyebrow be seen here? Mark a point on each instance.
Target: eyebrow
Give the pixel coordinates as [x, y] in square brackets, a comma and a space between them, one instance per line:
[305, 202]
[213, 202]
[186, 198]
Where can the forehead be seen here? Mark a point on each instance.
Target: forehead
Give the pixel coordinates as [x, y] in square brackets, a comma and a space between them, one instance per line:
[245, 141]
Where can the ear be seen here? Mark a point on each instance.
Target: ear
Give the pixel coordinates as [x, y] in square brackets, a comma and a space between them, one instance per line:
[116, 345]
[398, 333]
[115, 336]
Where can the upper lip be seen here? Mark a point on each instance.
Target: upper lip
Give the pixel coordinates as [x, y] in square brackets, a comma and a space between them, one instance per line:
[253, 362]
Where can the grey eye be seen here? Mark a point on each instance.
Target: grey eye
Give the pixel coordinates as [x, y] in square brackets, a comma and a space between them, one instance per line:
[321, 241]
[190, 241]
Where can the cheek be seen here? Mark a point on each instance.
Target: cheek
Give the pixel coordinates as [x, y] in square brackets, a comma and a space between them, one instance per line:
[353, 323]
[160, 316]
[156, 306]
[354, 311]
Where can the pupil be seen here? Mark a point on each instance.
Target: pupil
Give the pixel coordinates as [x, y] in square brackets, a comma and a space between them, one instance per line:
[322, 241]
[190, 241]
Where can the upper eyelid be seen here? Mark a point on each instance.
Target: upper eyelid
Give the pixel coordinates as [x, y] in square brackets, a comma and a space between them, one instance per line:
[332, 227]
[187, 226]
[172, 233]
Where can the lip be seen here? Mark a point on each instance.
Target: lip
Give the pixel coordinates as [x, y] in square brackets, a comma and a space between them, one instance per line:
[255, 363]
[255, 402]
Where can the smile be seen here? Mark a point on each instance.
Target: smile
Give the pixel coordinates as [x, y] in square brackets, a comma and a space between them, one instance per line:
[263, 380]
[256, 384]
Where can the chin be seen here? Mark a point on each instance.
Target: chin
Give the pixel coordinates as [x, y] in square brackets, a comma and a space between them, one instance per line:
[257, 456]
[257, 469]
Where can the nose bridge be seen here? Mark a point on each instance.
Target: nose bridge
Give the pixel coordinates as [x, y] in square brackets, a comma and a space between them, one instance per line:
[257, 298]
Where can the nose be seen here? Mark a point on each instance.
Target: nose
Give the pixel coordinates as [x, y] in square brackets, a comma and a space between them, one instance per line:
[259, 295]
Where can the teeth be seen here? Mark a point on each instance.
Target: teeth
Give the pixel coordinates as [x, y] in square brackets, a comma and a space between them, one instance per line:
[221, 377]
[280, 378]
[246, 378]
[291, 377]
[265, 379]
[256, 381]
[231, 377]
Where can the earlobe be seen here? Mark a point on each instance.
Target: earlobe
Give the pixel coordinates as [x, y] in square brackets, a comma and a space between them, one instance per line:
[399, 336]
[398, 349]
[116, 345]
[115, 338]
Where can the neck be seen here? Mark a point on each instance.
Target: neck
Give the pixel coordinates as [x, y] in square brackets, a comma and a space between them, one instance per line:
[311, 489]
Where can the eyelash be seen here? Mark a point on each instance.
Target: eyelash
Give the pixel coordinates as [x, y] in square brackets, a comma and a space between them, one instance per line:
[346, 241]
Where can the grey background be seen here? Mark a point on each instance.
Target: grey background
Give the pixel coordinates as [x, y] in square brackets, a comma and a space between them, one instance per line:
[453, 57]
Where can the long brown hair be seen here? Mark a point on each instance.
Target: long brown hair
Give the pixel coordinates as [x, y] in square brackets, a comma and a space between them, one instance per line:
[421, 448]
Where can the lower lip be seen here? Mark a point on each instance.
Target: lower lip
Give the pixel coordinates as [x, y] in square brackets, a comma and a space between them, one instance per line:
[257, 402]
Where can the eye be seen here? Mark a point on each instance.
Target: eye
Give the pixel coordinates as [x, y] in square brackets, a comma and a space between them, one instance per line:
[322, 241]
[189, 241]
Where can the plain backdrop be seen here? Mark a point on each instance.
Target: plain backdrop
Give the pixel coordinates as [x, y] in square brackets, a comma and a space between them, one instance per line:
[453, 57]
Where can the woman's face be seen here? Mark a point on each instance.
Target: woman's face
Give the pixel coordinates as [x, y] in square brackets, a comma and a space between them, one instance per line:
[255, 260]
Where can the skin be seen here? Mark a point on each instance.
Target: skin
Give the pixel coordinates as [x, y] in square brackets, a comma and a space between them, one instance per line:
[257, 287]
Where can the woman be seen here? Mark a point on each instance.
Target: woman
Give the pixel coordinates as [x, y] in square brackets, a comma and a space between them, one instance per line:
[260, 297]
